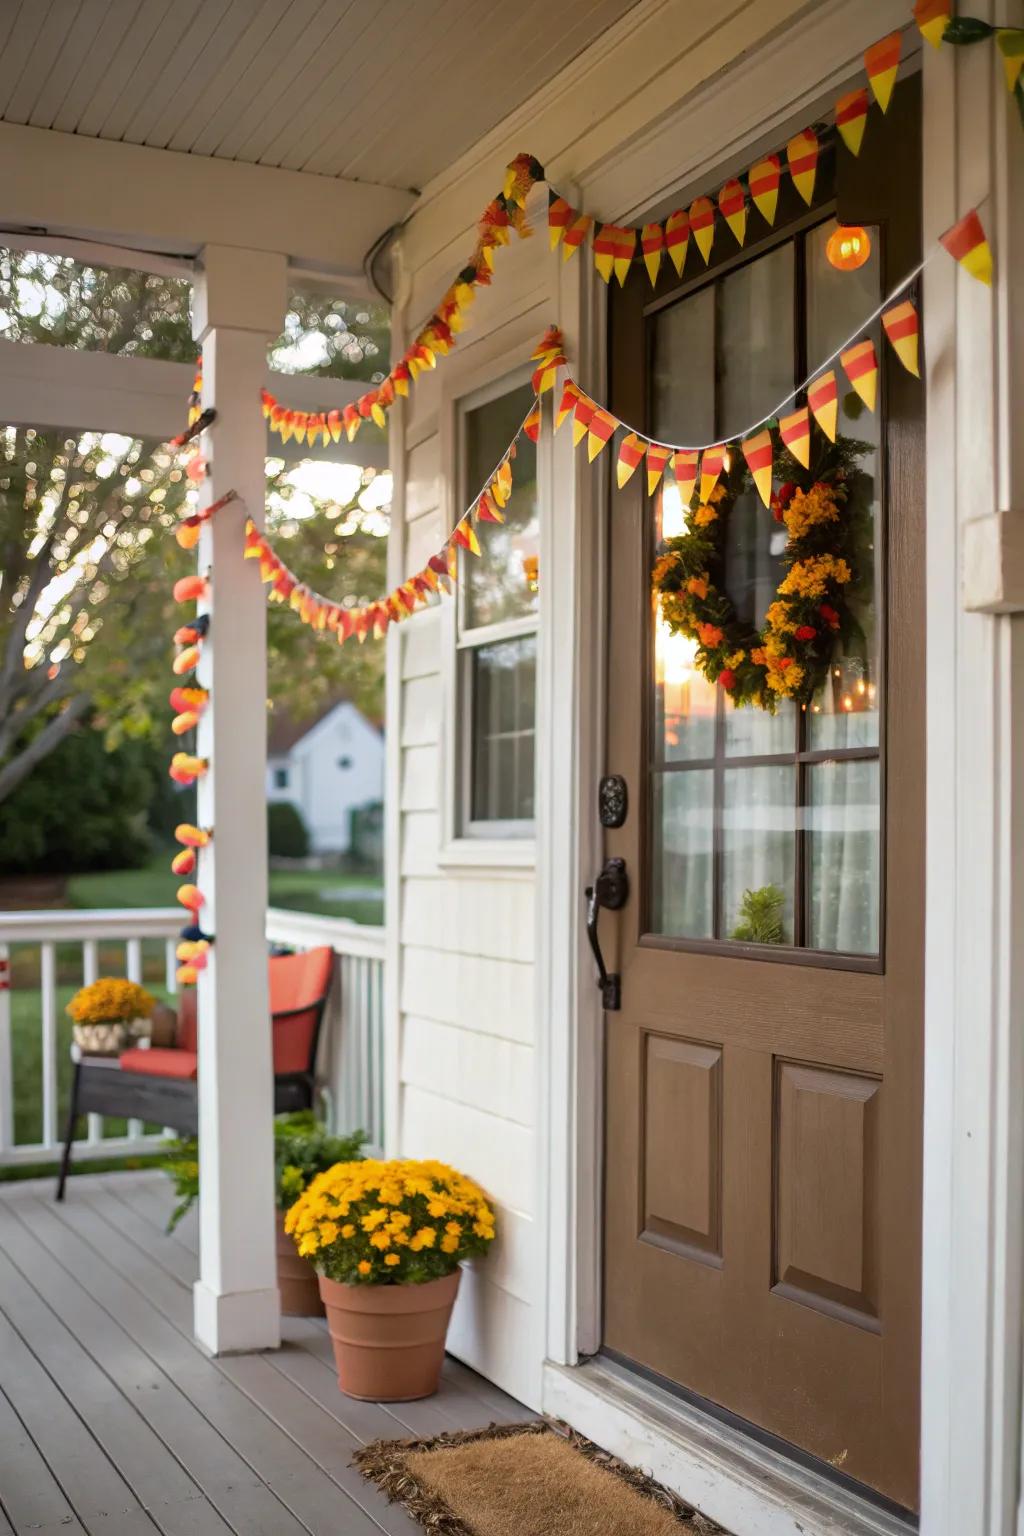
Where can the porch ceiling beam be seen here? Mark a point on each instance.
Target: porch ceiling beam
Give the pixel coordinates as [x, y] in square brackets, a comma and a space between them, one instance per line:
[157, 199]
[45, 387]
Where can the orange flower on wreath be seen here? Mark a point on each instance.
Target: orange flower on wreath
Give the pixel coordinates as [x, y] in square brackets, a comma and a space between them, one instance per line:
[710, 635]
[698, 586]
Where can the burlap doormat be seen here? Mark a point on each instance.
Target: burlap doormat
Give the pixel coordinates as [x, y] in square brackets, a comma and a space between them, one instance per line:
[536, 1479]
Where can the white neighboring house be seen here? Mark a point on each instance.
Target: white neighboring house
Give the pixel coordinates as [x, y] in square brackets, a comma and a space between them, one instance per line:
[327, 767]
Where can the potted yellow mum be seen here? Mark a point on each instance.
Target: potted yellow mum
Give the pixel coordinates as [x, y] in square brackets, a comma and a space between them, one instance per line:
[107, 1012]
[387, 1240]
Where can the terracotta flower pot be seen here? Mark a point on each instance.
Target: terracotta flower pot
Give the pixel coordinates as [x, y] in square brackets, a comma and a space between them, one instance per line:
[296, 1278]
[389, 1339]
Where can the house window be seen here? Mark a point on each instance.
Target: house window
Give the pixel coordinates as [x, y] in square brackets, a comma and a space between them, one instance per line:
[280, 778]
[497, 626]
[766, 827]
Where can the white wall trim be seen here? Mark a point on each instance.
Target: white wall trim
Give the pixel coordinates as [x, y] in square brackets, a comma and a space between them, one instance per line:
[733, 1479]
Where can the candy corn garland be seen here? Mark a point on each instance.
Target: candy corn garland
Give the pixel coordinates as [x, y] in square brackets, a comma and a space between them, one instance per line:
[188, 702]
[441, 570]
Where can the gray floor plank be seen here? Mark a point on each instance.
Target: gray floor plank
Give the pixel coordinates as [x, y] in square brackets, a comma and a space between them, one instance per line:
[33, 1499]
[321, 1435]
[301, 1485]
[174, 1260]
[228, 1481]
[160, 1484]
[96, 1491]
[497, 1402]
[364, 1421]
[237, 1441]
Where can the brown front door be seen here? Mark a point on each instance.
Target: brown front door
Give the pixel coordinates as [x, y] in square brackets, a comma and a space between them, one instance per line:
[763, 1098]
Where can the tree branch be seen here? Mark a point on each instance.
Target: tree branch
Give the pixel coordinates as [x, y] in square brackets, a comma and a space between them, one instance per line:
[18, 769]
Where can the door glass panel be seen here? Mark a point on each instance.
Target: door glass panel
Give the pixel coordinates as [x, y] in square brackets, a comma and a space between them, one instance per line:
[755, 344]
[754, 733]
[503, 678]
[845, 713]
[683, 903]
[758, 854]
[684, 701]
[502, 583]
[843, 820]
[754, 545]
[683, 370]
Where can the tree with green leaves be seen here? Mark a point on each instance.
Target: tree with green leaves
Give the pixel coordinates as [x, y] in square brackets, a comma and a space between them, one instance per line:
[86, 551]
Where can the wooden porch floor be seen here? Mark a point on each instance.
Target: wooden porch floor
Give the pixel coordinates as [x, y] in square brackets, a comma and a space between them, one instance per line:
[114, 1421]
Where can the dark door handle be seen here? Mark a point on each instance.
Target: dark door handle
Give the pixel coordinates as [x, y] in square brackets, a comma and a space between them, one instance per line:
[611, 890]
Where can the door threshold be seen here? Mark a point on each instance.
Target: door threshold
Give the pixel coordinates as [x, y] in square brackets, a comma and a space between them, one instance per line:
[744, 1486]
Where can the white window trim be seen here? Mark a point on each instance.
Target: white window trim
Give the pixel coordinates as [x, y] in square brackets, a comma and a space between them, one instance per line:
[497, 846]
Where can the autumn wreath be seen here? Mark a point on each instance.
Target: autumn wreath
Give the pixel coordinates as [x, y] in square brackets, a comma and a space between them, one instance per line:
[826, 514]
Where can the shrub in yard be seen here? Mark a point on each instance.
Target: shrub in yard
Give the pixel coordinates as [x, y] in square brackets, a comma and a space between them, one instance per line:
[81, 808]
[287, 837]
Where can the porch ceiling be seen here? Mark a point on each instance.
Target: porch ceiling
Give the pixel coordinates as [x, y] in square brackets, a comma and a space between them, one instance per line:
[384, 91]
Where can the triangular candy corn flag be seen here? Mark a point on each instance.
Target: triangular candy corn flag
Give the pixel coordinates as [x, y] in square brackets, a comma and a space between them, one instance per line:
[531, 426]
[966, 242]
[901, 327]
[684, 471]
[630, 455]
[575, 235]
[764, 180]
[570, 394]
[823, 399]
[932, 17]
[657, 458]
[802, 159]
[501, 486]
[652, 244]
[677, 238]
[487, 511]
[600, 432]
[465, 536]
[852, 117]
[861, 367]
[702, 224]
[606, 247]
[582, 412]
[759, 453]
[732, 204]
[560, 216]
[1011, 46]
[625, 248]
[795, 431]
[882, 60]
[711, 466]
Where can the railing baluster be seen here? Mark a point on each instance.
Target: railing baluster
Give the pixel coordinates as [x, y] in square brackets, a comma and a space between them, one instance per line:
[90, 971]
[6, 1053]
[133, 966]
[48, 987]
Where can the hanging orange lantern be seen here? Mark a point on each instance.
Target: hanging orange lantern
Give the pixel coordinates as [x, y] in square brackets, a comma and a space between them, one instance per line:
[848, 248]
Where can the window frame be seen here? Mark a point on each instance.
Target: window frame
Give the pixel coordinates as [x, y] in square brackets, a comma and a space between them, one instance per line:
[493, 845]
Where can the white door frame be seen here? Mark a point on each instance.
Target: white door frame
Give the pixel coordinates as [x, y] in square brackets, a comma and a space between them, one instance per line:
[974, 1069]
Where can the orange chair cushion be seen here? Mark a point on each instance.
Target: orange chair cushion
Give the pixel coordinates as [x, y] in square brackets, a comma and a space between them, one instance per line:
[297, 982]
[160, 1062]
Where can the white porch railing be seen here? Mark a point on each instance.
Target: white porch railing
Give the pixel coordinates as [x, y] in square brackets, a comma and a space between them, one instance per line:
[45, 955]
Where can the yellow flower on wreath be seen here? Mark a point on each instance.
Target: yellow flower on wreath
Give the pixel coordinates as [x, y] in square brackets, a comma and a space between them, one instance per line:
[809, 509]
[809, 578]
[705, 514]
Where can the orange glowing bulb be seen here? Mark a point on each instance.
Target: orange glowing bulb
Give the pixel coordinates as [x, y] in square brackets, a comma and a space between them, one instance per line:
[848, 248]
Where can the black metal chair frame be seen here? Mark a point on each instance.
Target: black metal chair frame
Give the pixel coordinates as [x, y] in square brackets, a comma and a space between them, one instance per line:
[99, 1087]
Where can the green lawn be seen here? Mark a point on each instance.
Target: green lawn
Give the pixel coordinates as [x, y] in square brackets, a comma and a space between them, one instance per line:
[300, 890]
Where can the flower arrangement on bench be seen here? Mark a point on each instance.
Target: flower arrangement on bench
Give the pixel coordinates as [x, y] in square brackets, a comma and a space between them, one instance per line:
[387, 1240]
[107, 1012]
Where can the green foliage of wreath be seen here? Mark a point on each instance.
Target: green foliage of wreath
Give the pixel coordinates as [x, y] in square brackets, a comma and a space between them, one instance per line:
[826, 510]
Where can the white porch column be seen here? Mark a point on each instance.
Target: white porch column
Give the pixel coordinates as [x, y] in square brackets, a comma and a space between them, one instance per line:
[240, 305]
[973, 1238]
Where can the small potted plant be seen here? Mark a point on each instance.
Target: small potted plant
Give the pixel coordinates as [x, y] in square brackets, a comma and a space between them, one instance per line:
[387, 1240]
[302, 1149]
[106, 1014]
